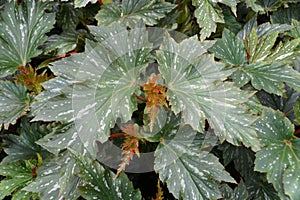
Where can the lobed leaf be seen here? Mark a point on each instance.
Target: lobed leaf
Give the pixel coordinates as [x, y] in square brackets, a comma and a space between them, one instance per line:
[18, 175]
[14, 102]
[230, 49]
[100, 184]
[195, 89]
[179, 157]
[208, 15]
[23, 146]
[132, 11]
[22, 31]
[270, 77]
[279, 157]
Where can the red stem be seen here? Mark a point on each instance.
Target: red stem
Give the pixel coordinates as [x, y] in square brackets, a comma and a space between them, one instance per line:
[115, 135]
[178, 5]
[140, 98]
[297, 132]
[100, 2]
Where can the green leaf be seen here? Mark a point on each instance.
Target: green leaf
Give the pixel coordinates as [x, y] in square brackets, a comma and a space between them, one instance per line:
[295, 32]
[240, 192]
[180, 158]
[269, 5]
[279, 157]
[56, 141]
[297, 111]
[23, 146]
[240, 78]
[230, 49]
[83, 3]
[258, 51]
[286, 103]
[109, 75]
[208, 15]
[67, 16]
[195, 88]
[55, 177]
[251, 4]
[22, 31]
[14, 102]
[99, 183]
[65, 42]
[52, 175]
[18, 175]
[285, 15]
[284, 51]
[270, 77]
[132, 11]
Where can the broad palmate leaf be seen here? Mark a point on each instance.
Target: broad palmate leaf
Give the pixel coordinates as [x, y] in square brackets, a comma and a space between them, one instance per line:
[22, 30]
[230, 49]
[279, 157]
[132, 11]
[195, 88]
[99, 183]
[99, 84]
[190, 173]
[14, 102]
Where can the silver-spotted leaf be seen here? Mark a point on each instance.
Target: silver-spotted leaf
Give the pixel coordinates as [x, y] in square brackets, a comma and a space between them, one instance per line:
[17, 175]
[132, 11]
[208, 15]
[96, 87]
[195, 88]
[55, 177]
[22, 31]
[14, 102]
[230, 49]
[23, 145]
[279, 157]
[99, 183]
[270, 77]
[190, 173]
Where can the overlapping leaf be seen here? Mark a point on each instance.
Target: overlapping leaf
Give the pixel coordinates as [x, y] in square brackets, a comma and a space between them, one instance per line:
[22, 30]
[107, 74]
[17, 175]
[230, 49]
[195, 89]
[55, 178]
[14, 102]
[23, 146]
[285, 15]
[132, 11]
[99, 183]
[179, 158]
[270, 77]
[279, 157]
[268, 70]
[286, 103]
[240, 192]
[208, 15]
[65, 42]
[256, 183]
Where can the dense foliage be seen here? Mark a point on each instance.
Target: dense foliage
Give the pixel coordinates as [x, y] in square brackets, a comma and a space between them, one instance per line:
[150, 99]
